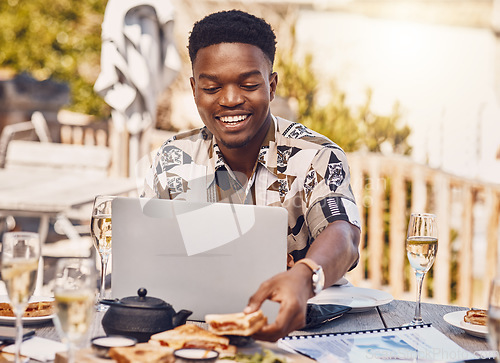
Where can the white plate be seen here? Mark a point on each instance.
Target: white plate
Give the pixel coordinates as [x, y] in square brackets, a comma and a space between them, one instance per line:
[10, 320]
[456, 318]
[358, 298]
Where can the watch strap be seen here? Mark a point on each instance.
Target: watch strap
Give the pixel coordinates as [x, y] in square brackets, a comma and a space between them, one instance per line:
[309, 263]
[318, 276]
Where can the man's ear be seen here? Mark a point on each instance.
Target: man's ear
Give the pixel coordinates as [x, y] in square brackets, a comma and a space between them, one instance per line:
[273, 83]
[193, 85]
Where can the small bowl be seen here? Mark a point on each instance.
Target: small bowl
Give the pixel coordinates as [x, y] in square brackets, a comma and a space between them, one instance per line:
[101, 344]
[195, 355]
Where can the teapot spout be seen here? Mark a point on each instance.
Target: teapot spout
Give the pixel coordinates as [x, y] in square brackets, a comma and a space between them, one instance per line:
[180, 318]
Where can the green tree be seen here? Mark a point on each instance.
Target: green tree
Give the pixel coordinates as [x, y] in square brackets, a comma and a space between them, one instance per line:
[59, 39]
[352, 129]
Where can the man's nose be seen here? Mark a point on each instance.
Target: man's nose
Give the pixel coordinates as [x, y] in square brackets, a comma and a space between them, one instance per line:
[231, 97]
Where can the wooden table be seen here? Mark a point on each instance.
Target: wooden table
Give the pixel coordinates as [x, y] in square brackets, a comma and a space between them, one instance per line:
[44, 194]
[392, 315]
[398, 313]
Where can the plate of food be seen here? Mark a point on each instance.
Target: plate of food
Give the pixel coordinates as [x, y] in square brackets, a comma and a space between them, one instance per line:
[357, 298]
[40, 310]
[472, 321]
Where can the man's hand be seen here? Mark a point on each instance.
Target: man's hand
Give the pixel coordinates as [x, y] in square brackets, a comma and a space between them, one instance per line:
[291, 289]
[336, 250]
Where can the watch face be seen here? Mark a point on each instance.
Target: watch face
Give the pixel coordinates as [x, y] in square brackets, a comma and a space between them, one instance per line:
[318, 280]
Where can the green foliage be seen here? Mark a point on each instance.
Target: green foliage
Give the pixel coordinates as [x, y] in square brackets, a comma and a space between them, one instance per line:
[59, 39]
[350, 129]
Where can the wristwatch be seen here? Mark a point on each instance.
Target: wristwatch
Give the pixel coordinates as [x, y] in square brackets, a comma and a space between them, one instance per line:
[318, 276]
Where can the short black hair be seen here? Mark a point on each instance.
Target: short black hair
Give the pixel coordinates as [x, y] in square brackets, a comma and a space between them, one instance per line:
[233, 26]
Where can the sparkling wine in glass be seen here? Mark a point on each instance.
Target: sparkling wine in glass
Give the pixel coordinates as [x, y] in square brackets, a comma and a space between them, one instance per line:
[74, 294]
[494, 317]
[20, 258]
[100, 229]
[421, 249]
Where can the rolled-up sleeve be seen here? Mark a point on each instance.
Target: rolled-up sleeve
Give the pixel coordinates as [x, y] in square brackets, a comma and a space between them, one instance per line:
[331, 198]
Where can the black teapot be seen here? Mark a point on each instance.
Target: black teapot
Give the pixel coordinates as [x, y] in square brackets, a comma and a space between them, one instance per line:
[140, 316]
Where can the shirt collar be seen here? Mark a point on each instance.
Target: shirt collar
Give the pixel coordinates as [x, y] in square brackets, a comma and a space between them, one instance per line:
[268, 148]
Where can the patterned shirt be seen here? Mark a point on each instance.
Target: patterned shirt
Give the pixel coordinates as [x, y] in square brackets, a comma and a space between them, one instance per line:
[297, 169]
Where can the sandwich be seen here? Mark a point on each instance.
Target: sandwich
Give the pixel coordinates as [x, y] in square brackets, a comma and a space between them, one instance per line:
[193, 336]
[141, 353]
[476, 317]
[236, 324]
[38, 308]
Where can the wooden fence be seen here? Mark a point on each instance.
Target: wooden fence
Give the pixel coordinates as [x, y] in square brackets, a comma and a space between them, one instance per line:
[81, 131]
[388, 189]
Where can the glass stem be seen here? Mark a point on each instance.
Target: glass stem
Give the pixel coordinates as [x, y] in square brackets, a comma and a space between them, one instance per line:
[19, 333]
[104, 266]
[71, 353]
[417, 319]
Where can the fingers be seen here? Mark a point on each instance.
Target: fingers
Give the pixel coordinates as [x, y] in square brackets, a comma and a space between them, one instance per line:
[290, 317]
[255, 302]
[291, 290]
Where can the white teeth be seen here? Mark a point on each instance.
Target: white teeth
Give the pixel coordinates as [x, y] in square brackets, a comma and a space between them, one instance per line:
[230, 119]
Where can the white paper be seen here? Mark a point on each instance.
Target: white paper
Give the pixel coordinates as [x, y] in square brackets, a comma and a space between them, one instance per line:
[38, 348]
[402, 344]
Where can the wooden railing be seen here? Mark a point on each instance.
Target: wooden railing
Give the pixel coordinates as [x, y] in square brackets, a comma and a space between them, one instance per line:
[387, 190]
[82, 130]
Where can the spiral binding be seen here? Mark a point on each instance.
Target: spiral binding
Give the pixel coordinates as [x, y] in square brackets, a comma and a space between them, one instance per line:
[398, 328]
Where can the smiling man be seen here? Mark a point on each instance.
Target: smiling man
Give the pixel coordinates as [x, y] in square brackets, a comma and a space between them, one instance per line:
[246, 155]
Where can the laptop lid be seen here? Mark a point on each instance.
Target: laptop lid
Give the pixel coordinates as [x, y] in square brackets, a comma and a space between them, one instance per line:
[205, 257]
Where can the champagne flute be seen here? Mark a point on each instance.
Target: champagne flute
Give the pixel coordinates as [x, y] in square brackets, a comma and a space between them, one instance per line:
[100, 229]
[494, 317]
[421, 249]
[20, 258]
[74, 294]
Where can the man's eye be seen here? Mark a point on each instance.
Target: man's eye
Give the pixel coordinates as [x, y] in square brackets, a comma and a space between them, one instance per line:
[210, 89]
[250, 87]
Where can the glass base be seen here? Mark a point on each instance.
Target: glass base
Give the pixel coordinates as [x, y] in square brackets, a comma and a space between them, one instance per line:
[101, 307]
[414, 322]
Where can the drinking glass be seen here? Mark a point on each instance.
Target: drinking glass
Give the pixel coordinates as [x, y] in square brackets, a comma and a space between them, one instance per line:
[100, 229]
[74, 294]
[421, 249]
[20, 258]
[494, 317]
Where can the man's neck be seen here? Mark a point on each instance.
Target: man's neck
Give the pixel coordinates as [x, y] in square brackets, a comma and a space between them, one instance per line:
[243, 159]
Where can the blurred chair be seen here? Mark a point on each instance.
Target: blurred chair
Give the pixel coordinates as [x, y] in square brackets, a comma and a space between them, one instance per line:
[20, 149]
[36, 128]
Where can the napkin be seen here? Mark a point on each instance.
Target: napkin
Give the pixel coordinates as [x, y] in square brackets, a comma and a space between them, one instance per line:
[320, 314]
[39, 348]
[342, 281]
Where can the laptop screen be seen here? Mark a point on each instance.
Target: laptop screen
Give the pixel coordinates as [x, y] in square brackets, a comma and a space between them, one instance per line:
[204, 257]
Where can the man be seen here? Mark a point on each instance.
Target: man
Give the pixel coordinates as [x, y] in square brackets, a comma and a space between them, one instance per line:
[246, 155]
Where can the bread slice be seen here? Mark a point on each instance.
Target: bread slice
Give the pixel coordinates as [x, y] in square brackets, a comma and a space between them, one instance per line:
[37, 308]
[236, 324]
[193, 336]
[476, 317]
[142, 353]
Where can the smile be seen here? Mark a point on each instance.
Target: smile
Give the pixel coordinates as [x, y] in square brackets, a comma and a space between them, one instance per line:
[233, 119]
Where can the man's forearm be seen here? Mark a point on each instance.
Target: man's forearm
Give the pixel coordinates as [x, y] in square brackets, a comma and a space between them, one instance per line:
[336, 250]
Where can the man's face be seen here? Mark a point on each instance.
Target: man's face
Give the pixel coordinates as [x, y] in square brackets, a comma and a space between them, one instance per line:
[232, 87]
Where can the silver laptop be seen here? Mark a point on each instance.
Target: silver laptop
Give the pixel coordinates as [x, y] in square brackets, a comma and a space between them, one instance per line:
[203, 257]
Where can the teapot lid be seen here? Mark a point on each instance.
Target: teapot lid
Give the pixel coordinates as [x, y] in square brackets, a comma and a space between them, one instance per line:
[143, 301]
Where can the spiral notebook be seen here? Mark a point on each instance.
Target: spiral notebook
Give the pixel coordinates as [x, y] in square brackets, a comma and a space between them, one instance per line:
[422, 342]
